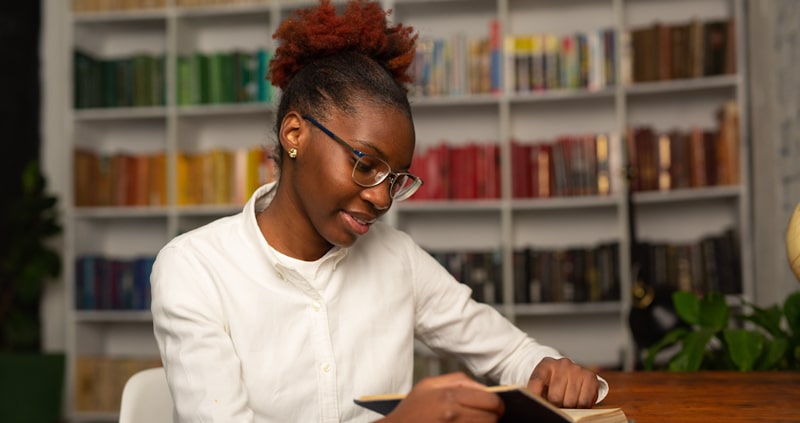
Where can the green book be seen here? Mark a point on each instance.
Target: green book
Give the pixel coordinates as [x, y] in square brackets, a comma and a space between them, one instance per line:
[215, 89]
[228, 81]
[249, 87]
[264, 90]
[110, 91]
[200, 85]
[183, 88]
[125, 82]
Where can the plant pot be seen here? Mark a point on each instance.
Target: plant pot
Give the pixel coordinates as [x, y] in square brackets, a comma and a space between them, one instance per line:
[31, 387]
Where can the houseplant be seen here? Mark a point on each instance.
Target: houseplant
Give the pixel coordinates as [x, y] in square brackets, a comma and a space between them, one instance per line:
[755, 339]
[31, 382]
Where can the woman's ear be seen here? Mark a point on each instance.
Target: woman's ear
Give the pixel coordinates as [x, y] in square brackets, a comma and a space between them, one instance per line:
[291, 131]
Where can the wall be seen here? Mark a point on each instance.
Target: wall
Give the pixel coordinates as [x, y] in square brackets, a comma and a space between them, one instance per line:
[774, 45]
[54, 77]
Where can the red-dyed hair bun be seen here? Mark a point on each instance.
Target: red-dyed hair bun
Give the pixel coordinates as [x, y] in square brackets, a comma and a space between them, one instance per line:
[314, 33]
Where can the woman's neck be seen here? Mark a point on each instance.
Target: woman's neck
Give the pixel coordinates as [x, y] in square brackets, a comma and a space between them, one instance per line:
[286, 228]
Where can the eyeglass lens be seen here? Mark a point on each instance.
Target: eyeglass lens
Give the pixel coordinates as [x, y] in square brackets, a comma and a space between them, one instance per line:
[370, 171]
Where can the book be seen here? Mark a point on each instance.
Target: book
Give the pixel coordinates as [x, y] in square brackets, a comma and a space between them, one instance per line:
[521, 406]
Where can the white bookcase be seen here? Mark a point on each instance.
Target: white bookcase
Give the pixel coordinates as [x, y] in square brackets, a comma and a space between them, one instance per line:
[594, 334]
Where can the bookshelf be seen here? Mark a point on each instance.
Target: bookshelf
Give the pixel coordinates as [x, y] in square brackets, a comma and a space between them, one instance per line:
[592, 332]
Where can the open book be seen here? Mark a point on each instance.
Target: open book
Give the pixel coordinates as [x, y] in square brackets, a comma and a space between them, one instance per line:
[521, 406]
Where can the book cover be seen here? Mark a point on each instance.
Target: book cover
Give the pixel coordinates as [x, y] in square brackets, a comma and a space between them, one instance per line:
[520, 404]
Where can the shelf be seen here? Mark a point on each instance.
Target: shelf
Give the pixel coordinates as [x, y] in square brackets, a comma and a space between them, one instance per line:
[137, 15]
[448, 206]
[552, 309]
[581, 202]
[222, 10]
[406, 3]
[561, 95]
[113, 316]
[686, 195]
[225, 109]
[210, 210]
[455, 100]
[674, 86]
[514, 98]
[119, 212]
[120, 113]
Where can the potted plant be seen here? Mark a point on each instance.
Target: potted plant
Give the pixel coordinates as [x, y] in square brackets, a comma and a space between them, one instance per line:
[31, 382]
[755, 339]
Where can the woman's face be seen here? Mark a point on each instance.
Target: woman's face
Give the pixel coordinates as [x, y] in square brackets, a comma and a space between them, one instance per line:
[337, 209]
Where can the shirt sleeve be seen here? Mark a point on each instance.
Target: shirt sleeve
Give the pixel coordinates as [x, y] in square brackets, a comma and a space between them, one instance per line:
[449, 320]
[201, 364]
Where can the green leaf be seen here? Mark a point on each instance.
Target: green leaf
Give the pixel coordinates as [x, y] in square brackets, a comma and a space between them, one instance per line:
[31, 178]
[713, 311]
[768, 319]
[669, 339]
[773, 353]
[791, 309]
[687, 305]
[692, 350]
[744, 346]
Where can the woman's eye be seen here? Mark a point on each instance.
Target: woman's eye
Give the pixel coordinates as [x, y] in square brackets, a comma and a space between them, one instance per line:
[365, 165]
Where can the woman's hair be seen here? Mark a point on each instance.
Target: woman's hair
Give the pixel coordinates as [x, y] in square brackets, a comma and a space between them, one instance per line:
[328, 62]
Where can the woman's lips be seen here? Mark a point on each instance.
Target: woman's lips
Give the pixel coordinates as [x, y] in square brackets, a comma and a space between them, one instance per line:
[359, 225]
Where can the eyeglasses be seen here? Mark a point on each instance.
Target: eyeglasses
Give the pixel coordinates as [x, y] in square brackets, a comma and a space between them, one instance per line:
[369, 171]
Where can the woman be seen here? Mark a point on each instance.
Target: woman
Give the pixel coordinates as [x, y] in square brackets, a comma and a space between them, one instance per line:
[305, 301]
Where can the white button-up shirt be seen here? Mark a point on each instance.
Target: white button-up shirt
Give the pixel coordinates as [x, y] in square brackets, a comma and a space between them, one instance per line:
[246, 338]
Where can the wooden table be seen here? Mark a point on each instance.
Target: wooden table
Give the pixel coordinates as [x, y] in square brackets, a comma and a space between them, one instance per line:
[730, 397]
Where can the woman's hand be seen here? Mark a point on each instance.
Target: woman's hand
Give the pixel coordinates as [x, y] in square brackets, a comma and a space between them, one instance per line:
[453, 397]
[564, 383]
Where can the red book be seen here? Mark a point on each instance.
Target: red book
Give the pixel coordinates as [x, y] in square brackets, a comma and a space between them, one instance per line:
[520, 170]
[544, 167]
[456, 175]
[480, 171]
[533, 159]
[492, 163]
[419, 168]
[437, 169]
[470, 172]
[487, 169]
[590, 155]
[562, 178]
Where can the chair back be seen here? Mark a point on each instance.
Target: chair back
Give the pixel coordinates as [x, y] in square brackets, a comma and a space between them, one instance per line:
[146, 398]
[793, 242]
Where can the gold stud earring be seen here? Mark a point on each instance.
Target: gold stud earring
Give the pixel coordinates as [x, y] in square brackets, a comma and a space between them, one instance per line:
[292, 152]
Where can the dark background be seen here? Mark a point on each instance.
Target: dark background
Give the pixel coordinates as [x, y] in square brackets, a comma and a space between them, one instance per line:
[20, 92]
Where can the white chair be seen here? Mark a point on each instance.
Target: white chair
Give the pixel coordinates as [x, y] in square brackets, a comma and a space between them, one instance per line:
[146, 398]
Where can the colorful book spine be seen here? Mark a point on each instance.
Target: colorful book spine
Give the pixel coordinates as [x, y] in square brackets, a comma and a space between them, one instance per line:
[111, 283]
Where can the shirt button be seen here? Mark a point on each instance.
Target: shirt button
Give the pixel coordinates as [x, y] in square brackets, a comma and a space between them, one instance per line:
[315, 306]
[326, 367]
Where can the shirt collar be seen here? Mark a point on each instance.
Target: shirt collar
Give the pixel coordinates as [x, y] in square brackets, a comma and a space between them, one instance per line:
[257, 203]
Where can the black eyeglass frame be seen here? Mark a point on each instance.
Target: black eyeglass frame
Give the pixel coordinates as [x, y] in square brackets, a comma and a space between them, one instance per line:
[416, 181]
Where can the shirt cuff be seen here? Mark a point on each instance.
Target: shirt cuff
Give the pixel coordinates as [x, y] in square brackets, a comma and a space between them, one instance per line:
[602, 391]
